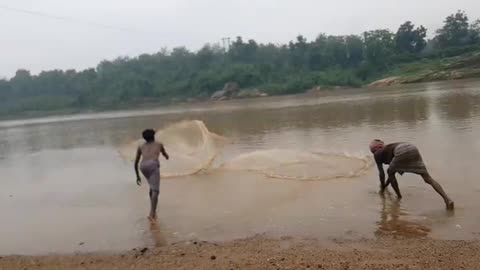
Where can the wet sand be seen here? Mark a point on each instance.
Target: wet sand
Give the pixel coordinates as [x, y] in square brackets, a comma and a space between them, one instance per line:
[388, 252]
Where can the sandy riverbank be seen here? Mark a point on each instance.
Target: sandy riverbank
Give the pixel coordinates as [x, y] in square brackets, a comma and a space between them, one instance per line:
[263, 253]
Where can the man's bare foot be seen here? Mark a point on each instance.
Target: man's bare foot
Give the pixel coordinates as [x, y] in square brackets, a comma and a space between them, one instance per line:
[152, 219]
[450, 205]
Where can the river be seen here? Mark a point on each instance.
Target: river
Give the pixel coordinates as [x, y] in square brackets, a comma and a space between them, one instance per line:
[66, 186]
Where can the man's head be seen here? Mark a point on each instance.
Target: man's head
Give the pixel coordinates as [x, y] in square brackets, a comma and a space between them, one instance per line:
[148, 135]
[376, 145]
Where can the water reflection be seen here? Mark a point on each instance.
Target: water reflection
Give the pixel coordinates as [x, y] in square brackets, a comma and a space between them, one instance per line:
[393, 220]
[383, 111]
[410, 108]
[157, 234]
[459, 104]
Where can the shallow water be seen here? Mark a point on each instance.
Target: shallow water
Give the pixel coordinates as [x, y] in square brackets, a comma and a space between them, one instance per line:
[67, 188]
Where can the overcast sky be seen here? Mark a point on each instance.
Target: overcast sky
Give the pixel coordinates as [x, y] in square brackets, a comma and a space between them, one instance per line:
[82, 33]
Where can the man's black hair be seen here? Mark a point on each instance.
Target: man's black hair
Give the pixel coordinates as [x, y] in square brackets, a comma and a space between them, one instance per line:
[148, 135]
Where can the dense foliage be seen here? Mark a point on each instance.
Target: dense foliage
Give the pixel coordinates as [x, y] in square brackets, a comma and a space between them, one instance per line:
[179, 74]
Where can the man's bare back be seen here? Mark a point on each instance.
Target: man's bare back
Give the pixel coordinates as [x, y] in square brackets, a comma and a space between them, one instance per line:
[151, 150]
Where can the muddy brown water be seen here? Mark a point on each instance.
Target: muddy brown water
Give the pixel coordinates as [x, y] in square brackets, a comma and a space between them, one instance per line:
[65, 187]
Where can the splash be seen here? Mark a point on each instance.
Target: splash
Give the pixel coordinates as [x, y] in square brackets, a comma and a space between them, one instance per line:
[193, 148]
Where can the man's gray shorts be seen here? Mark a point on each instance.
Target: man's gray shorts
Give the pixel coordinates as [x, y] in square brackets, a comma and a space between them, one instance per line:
[151, 171]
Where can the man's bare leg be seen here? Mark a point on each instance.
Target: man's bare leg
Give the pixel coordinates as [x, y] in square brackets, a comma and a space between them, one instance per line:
[396, 187]
[438, 188]
[392, 180]
[153, 204]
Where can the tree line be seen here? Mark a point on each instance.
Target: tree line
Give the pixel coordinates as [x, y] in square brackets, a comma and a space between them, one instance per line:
[179, 74]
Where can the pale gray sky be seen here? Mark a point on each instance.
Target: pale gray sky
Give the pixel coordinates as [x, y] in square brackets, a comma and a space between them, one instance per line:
[40, 43]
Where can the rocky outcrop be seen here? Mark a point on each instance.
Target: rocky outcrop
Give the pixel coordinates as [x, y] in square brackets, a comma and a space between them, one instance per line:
[250, 93]
[386, 82]
[232, 90]
[455, 68]
[321, 89]
[444, 75]
[229, 90]
[465, 62]
[218, 95]
[315, 89]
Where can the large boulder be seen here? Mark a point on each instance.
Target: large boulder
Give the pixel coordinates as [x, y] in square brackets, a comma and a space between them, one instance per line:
[218, 95]
[230, 90]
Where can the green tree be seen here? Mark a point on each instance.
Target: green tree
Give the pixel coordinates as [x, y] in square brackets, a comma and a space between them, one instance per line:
[355, 49]
[455, 31]
[379, 47]
[336, 47]
[475, 32]
[318, 58]
[409, 39]
[298, 52]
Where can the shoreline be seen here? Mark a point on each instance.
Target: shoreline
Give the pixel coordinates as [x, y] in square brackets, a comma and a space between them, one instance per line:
[150, 107]
[259, 252]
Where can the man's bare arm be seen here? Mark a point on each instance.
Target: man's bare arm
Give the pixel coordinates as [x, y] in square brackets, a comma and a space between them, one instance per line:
[164, 152]
[137, 160]
[381, 174]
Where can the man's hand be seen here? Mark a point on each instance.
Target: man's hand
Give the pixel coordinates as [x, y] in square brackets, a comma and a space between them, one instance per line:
[164, 152]
[139, 181]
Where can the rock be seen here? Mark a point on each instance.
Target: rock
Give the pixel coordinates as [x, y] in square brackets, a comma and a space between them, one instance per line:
[250, 93]
[465, 62]
[315, 89]
[213, 257]
[81, 243]
[456, 75]
[232, 90]
[217, 95]
[386, 82]
[231, 87]
[229, 90]
[143, 250]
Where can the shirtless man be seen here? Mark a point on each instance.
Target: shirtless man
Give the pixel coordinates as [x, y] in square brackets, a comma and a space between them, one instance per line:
[402, 158]
[150, 167]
